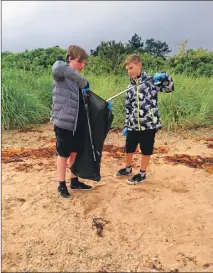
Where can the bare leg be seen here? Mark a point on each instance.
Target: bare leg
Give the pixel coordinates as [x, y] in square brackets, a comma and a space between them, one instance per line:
[71, 161]
[129, 157]
[145, 162]
[61, 168]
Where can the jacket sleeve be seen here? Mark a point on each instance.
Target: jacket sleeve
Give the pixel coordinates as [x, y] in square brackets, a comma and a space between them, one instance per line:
[62, 70]
[128, 107]
[166, 85]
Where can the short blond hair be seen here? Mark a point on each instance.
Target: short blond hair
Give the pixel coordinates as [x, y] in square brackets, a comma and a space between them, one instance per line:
[133, 58]
[74, 51]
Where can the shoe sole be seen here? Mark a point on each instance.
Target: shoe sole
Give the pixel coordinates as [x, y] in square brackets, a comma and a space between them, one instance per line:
[130, 183]
[119, 177]
[80, 189]
[67, 197]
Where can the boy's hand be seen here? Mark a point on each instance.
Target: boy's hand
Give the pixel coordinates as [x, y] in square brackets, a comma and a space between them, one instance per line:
[124, 132]
[110, 105]
[86, 89]
[159, 76]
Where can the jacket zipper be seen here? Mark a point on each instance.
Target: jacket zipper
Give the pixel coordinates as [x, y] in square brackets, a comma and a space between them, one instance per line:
[138, 112]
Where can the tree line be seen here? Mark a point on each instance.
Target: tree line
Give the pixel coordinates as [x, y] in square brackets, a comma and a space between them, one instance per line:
[108, 57]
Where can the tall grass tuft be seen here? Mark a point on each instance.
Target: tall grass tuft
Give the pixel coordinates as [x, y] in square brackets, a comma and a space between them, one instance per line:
[190, 105]
[25, 99]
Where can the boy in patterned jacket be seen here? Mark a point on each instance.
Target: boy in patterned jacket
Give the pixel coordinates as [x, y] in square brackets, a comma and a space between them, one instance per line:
[142, 115]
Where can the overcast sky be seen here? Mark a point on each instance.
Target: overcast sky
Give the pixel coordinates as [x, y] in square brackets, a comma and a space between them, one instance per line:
[34, 24]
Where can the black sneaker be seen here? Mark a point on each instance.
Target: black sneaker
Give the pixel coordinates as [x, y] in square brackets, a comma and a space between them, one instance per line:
[63, 191]
[123, 172]
[80, 186]
[136, 179]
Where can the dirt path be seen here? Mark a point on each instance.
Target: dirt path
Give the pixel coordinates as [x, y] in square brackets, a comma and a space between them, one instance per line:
[164, 224]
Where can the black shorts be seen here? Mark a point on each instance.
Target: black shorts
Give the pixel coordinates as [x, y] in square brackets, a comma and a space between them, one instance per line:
[146, 139]
[67, 142]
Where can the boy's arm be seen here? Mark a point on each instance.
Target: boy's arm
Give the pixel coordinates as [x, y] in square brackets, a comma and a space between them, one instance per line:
[62, 70]
[165, 84]
[127, 108]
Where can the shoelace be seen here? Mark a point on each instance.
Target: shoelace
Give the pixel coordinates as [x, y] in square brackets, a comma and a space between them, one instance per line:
[124, 170]
[137, 177]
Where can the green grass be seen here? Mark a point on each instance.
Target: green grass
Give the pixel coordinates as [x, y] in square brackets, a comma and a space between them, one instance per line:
[190, 105]
[27, 99]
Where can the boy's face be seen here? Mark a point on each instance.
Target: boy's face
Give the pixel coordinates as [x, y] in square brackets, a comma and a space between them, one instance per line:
[134, 69]
[78, 66]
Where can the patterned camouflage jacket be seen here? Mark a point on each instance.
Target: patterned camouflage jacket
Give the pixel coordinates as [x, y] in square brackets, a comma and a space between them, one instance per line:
[142, 111]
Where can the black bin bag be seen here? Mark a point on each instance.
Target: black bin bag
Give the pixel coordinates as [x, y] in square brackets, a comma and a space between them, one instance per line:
[100, 120]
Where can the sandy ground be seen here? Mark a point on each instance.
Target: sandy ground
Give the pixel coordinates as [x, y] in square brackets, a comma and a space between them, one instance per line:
[164, 224]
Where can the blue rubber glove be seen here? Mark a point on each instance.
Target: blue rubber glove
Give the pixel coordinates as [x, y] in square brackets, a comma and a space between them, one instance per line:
[110, 105]
[124, 132]
[159, 76]
[86, 90]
